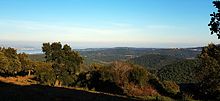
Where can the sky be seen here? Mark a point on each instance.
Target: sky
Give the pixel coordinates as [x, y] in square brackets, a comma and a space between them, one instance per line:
[106, 23]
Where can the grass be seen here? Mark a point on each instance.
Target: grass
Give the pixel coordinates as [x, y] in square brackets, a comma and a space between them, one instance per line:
[24, 89]
[156, 98]
[19, 80]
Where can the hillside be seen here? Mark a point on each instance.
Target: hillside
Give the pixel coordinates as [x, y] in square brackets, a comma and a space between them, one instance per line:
[19, 80]
[154, 61]
[107, 55]
[181, 72]
[25, 89]
[62, 74]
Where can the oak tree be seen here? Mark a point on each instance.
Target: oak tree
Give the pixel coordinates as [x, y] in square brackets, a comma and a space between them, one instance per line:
[65, 62]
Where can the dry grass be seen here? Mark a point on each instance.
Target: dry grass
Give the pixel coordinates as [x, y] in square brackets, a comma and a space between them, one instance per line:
[134, 90]
[19, 80]
[25, 89]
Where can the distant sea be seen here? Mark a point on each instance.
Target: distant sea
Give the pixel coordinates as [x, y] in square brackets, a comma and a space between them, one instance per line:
[38, 51]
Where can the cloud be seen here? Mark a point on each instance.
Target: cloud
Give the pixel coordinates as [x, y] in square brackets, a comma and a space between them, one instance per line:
[113, 34]
[119, 24]
[27, 30]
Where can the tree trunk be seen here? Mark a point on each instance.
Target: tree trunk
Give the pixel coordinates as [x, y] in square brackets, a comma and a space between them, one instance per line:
[29, 72]
[58, 83]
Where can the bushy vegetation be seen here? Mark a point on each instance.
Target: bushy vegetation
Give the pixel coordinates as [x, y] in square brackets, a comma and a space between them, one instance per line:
[118, 77]
[154, 61]
[9, 62]
[65, 62]
[210, 72]
[107, 55]
[44, 73]
[181, 72]
[63, 66]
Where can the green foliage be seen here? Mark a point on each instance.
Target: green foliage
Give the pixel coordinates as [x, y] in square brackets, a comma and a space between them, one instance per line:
[166, 88]
[107, 55]
[214, 23]
[210, 68]
[138, 75]
[4, 63]
[44, 73]
[26, 63]
[10, 52]
[181, 72]
[156, 98]
[164, 98]
[120, 71]
[37, 57]
[118, 77]
[100, 79]
[154, 61]
[65, 62]
[171, 87]
[62, 64]
[9, 61]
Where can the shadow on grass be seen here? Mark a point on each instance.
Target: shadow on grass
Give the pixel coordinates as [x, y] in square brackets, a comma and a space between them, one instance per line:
[12, 92]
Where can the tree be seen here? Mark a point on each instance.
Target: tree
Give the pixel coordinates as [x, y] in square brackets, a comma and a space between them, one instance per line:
[10, 64]
[210, 72]
[26, 63]
[120, 72]
[184, 71]
[44, 73]
[210, 56]
[4, 63]
[215, 18]
[65, 62]
[138, 75]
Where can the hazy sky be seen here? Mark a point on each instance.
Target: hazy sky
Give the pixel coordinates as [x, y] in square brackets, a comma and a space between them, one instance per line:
[107, 23]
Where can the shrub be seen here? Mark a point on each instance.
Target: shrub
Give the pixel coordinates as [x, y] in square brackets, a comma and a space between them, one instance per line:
[9, 62]
[138, 76]
[44, 73]
[167, 88]
[134, 90]
[171, 87]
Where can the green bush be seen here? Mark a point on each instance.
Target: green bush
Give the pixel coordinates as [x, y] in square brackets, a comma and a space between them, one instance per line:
[44, 73]
[65, 62]
[171, 87]
[9, 62]
[167, 88]
[138, 76]
[209, 72]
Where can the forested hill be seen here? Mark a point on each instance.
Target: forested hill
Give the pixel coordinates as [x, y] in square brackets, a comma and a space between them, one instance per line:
[154, 61]
[106, 55]
[185, 71]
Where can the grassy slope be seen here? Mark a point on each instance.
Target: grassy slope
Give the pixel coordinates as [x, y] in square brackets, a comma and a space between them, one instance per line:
[24, 89]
